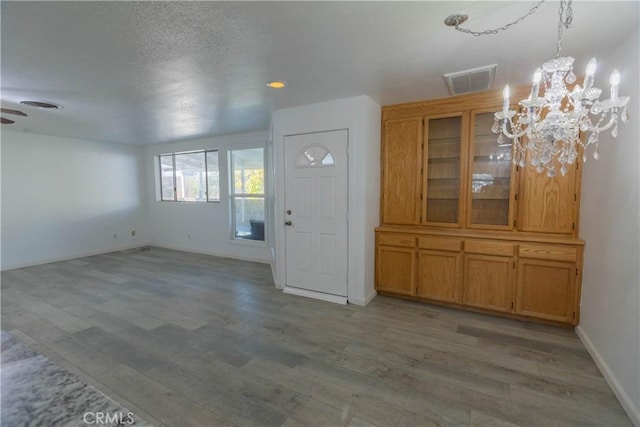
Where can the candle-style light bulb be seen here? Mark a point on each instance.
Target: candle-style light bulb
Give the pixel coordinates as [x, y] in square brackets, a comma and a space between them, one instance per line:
[615, 81]
[537, 76]
[590, 71]
[591, 67]
[505, 96]
[615, 78]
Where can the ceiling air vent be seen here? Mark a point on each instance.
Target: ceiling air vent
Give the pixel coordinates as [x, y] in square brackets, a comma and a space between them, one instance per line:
[40, 104]
[474, 80]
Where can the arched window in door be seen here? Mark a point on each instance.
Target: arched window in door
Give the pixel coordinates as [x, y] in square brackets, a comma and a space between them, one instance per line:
[314, 156]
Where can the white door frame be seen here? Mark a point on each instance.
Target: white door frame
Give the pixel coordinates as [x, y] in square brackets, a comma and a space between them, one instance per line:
[279, 198]
[342, 263]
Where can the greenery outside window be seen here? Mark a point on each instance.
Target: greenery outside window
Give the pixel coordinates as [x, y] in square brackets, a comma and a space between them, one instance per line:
[247, 193]
[190, 176]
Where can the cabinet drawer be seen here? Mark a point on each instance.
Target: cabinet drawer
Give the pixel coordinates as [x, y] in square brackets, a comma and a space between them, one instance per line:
[552, 252]
[440, 243]
[489, 248]
[404, 240]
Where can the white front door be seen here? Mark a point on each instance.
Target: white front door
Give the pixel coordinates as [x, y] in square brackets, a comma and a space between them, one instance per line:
[316, 212]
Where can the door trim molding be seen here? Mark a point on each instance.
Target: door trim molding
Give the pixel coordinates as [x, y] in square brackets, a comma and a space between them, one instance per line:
[280, 201]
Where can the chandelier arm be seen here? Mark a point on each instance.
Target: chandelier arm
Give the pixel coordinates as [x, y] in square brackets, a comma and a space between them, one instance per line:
[511, 135]
[612, 121]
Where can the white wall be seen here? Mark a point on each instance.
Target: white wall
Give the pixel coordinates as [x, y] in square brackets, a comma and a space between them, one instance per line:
[65, 198]
[610, 223]
[207, 224]
[361, 116]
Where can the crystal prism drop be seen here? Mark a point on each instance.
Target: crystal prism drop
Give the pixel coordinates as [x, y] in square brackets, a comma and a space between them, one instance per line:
[551, 173]
[540, 168]
[614, 132]
[625, 115]
[496, 126]
[596, 154]
[501, 139]
[563, 170]
[571, 78]
[584, 158]
[522, 163]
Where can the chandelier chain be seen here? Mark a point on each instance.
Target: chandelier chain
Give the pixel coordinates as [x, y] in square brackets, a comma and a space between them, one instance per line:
[503, 28]
[565, 20]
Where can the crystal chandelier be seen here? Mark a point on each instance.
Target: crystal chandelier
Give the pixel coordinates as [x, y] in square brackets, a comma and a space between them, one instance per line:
[553, 127]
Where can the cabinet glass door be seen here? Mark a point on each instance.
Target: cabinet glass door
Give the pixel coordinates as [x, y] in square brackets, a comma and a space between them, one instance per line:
[444, 136]
[491, 190]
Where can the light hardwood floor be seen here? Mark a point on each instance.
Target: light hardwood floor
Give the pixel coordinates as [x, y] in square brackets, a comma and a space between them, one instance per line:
[185, 339]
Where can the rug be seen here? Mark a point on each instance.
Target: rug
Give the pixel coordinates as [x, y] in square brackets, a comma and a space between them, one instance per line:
[37, 392]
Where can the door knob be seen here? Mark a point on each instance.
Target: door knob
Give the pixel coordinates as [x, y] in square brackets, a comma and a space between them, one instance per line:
[288, 223]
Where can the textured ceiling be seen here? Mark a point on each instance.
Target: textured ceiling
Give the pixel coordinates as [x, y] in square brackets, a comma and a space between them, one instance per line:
[153, 72]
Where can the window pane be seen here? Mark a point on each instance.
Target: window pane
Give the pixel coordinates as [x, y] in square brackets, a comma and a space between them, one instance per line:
[190, 178]
[213, 176]
[249, 212]
[248, 171]
[166, 172]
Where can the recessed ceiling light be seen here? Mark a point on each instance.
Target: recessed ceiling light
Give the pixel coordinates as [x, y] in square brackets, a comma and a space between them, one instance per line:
[275, 84]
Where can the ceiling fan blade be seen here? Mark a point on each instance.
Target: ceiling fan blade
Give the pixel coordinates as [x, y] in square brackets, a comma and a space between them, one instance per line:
[6, 121]
[16, 112]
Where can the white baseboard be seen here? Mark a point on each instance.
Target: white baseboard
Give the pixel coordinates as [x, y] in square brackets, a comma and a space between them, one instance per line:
[629, 406]
[365, 301]
[316, 295]
[70, 257]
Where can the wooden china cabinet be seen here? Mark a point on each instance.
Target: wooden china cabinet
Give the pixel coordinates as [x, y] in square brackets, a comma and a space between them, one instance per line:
[462, 225]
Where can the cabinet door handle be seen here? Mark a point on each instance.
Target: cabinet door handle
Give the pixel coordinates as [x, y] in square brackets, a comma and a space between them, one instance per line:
[288, 223]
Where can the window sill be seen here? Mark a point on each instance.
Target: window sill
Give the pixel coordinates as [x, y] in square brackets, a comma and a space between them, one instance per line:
[187, 202]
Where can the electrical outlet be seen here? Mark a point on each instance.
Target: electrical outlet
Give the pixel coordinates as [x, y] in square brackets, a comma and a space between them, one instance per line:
[133, 232]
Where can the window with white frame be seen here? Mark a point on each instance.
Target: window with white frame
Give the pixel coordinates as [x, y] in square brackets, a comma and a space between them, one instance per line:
[247, 193]
[190, 176]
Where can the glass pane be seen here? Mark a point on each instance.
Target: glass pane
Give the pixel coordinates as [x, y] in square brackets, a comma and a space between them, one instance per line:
[328, 160]
[213, 176]
[190, 178]
[315, 156]
[248, 171]
[249, 216]
[490, 175]
[166, 172]
[443, 169]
